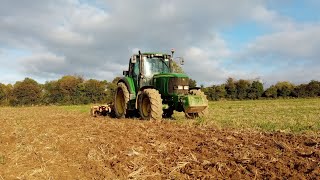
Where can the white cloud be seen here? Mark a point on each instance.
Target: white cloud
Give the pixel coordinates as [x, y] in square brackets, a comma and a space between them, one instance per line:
[204, 63]
[292, 44]
[285, 55]
[271, 18]
[72, 37]
[45, 64]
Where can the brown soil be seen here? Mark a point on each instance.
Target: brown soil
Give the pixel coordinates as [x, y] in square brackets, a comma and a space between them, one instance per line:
[44, 143]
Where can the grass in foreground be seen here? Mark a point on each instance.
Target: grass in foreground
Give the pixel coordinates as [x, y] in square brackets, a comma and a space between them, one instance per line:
[286, 115]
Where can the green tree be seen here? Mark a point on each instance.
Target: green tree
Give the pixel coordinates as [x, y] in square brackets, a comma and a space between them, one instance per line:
[52, 93]
[3, 94]
[81, 92]
[69, 87]
[231, 88]
[221, 91]
[209, 91]
[300, 91]
[242, 87]
[95, 90]
[313, 88]
[205, 90]
[192, 83]
[256, 90]
[74, 90]
[215, 92]
[27, 92]
[8, 92]
[66, 90]
[284, 88]
[271, 92]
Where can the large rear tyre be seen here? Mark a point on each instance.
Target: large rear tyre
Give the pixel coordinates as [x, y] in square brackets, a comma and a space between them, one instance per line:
[203, 113]
[121, 100]
[150, 105]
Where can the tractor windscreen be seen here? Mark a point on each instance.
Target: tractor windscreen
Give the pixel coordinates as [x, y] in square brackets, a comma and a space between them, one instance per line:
[155, 65]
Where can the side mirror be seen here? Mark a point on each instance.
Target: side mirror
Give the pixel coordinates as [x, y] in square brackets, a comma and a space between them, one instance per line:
[125, 73]
[133, 59]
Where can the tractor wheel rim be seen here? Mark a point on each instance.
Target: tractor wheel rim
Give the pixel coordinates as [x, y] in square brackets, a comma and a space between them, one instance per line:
[146, 108]
[120, 102]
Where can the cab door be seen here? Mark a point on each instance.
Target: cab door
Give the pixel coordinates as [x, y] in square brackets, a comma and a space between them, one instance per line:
[136, 74]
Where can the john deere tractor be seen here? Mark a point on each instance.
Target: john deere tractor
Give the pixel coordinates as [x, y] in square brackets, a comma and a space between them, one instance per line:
[151, 90]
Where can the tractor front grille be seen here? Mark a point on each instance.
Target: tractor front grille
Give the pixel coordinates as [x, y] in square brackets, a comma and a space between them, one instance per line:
[175, 82]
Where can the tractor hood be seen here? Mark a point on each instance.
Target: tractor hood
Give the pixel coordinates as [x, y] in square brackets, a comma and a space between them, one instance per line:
[169, 84]
[170, 75]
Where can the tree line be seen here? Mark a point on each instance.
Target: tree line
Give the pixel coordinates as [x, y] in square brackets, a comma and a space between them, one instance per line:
[253, 89]
[72, 90]
[68, 90]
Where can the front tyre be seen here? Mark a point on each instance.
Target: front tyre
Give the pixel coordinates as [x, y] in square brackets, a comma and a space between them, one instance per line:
[121, 100]
[150, 105]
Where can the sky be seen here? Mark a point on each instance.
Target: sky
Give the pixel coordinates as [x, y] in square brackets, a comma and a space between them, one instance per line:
[273, 40]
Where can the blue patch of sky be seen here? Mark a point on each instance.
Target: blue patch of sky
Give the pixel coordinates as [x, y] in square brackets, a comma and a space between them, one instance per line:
[97, 4]
[15, 53]
[237, 38]
[9, 58]
[240, 35]
[300, 11]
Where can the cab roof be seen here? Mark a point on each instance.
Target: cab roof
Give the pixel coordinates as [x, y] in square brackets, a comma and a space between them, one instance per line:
[154, 53]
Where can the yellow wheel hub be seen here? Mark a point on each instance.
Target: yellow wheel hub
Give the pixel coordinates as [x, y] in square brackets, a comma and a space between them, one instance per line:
[146, 107]
[120, 102]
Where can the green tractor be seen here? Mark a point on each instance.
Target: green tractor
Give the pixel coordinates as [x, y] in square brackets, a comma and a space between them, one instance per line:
[150, 89]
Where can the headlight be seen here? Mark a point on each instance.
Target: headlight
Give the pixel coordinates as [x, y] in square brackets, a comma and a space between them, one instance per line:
[186, 87]
[180, 87]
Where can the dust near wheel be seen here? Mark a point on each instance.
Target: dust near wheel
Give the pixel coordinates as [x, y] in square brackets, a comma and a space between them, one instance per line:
[121, 100]
[150, 105]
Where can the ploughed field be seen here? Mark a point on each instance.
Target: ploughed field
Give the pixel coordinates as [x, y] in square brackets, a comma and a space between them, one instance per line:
[239, 140]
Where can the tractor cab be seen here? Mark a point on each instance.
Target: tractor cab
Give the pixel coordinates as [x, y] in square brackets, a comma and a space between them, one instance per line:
[143, 67]
[151, 89]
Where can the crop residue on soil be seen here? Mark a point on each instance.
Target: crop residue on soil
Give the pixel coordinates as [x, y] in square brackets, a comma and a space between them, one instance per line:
[46, 142]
